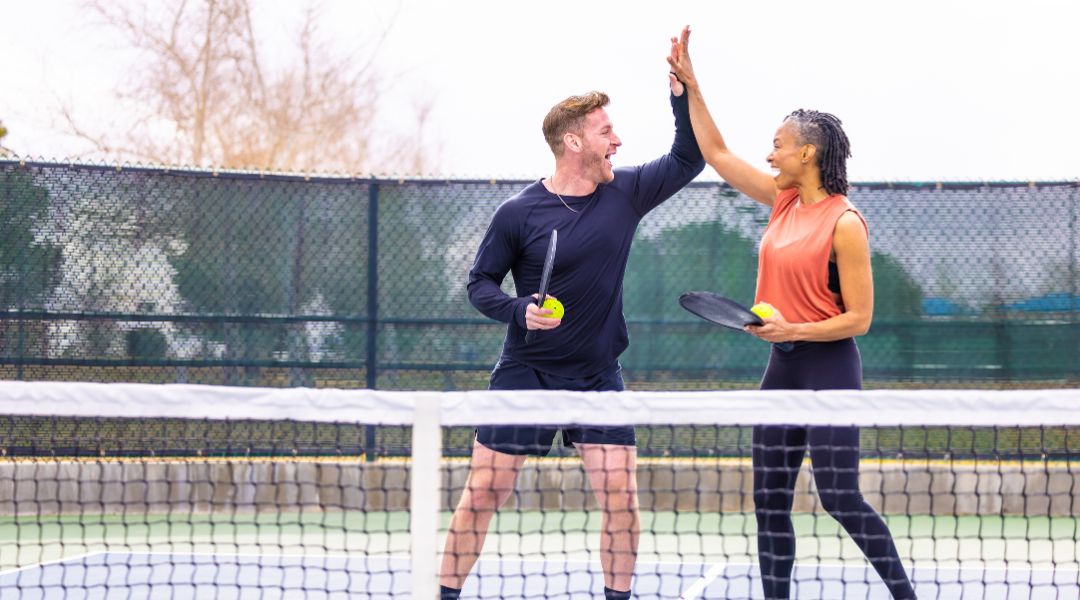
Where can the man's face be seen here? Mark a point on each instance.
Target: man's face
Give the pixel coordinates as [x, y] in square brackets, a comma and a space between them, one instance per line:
[599, 144]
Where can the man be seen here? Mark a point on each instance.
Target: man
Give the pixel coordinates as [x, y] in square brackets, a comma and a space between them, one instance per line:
[596, 210]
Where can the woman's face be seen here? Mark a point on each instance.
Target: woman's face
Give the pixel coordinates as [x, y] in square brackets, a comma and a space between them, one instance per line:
[787, 159]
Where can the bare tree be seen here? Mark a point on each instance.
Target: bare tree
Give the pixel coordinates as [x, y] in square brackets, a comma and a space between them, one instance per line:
[204, 95]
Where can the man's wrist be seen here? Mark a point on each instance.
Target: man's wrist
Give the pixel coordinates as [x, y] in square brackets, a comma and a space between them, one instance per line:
[523, 307]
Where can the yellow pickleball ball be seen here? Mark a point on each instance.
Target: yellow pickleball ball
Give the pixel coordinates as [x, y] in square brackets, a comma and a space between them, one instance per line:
[555, 307]
[762, 310]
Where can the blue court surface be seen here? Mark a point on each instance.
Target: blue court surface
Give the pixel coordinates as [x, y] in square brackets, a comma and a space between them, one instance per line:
[133, 576]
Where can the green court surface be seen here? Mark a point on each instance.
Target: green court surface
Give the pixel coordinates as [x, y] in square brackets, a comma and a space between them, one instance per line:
[667, 537]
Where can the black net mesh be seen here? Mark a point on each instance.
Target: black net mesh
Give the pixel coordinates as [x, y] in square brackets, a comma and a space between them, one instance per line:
[233, 507]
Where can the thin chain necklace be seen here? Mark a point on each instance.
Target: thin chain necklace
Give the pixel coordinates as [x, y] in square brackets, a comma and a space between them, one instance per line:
[552, 180]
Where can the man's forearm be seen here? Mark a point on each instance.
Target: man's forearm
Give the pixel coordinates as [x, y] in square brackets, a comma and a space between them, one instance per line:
[492, 302]
[685, 146]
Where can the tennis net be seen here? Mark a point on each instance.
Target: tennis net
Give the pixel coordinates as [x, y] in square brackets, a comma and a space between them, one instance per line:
[185, 491]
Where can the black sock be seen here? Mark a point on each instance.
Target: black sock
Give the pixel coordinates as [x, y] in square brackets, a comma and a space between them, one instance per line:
[449, 593]
[610, 594]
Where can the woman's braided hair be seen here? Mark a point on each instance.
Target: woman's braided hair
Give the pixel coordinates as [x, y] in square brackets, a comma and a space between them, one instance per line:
[825, 133]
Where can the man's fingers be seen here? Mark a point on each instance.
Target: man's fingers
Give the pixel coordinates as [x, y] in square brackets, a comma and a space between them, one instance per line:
[540, 317]
[537, 310]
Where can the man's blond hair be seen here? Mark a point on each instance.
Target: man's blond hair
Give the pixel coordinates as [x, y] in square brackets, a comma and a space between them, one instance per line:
[568, 116]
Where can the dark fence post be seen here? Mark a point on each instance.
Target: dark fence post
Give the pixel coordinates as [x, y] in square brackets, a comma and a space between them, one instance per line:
[1074, 264]
[20, 303]
[20, 324]
[298, 376]
[372, 307]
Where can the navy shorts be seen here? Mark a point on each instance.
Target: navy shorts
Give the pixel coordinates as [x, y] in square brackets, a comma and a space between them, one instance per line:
[536, 441]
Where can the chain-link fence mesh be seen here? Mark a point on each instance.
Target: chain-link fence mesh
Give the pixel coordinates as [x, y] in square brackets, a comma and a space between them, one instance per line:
[157, 275]
[162, 276]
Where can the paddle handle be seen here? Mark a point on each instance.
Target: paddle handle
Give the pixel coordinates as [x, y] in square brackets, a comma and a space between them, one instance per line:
[530, 334]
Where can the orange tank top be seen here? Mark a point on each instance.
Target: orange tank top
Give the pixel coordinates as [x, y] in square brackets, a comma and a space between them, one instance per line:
[793, 263]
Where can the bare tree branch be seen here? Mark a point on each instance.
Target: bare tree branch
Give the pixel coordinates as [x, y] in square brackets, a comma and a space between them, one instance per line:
[206, 97]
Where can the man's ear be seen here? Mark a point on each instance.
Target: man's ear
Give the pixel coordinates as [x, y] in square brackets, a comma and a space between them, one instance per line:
[571, 142]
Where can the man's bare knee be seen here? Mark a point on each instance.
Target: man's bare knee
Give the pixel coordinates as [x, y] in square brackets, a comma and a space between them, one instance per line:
[492, 477]
[484, 497]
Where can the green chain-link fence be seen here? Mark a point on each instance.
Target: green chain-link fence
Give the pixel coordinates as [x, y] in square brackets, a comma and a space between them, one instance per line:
[157, 275]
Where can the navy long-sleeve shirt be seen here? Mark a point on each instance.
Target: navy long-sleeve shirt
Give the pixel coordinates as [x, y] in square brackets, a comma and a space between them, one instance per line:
[593, 247]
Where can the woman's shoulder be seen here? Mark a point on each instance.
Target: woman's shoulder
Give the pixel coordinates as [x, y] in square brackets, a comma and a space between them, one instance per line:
[840, 204]
[785, 199]
[849, 216]
[786, 196]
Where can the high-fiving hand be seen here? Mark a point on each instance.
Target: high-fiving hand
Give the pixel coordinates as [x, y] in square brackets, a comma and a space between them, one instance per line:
[679, 59]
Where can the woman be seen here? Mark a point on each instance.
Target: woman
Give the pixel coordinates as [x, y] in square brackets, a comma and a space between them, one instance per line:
[814, 269]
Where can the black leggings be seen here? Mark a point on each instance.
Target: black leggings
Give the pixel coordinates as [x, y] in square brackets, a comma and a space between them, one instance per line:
[778, 452]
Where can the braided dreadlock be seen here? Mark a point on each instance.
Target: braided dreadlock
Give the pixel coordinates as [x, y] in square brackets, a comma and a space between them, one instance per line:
[824, 132]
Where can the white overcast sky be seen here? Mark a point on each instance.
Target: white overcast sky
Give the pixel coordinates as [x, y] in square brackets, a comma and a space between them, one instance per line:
[929, 90]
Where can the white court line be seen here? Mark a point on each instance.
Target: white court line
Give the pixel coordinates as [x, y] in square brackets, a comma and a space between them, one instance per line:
[698, 587]
[50, 562]
[259, 555]
[84, 556]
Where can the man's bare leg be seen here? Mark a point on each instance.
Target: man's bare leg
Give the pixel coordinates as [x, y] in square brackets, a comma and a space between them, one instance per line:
[612, 472]
[491, 481]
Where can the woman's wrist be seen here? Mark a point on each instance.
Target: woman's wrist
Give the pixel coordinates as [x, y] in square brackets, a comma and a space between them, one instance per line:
[798, 332]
